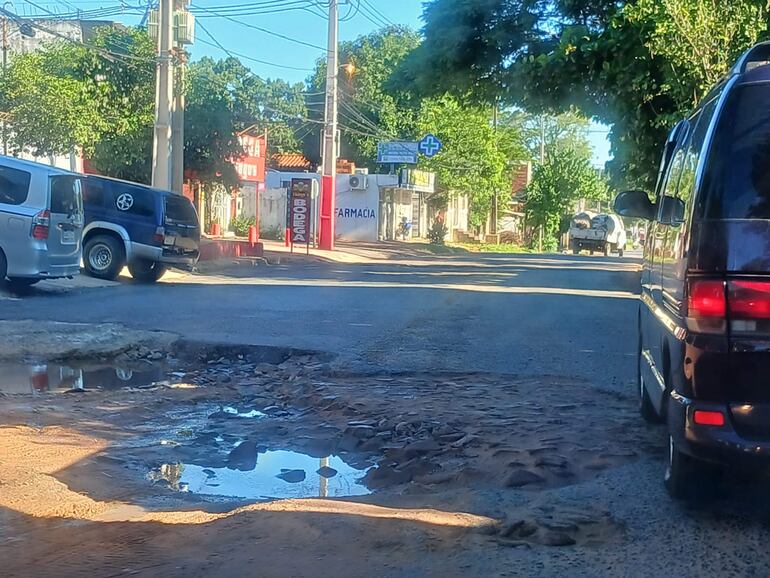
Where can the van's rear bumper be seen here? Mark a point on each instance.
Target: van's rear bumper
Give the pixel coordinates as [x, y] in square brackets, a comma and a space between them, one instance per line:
[719, 444]
[39, 266]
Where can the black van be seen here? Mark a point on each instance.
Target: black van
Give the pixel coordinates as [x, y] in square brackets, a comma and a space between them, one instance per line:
[131, 224]
[704, 318]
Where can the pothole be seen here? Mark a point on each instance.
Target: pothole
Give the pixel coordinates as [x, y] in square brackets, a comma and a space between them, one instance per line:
[37, 378]
[267, 475]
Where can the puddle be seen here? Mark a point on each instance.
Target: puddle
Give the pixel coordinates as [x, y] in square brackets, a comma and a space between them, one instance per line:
[266, 476]
[247, 414]
[40, 378]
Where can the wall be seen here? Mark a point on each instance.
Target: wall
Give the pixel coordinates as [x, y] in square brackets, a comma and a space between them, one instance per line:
[272, 210]
[358, 211]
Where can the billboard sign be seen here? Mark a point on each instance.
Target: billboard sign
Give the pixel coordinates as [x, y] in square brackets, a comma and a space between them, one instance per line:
[416, 180]
[397, 152]
[300, 213]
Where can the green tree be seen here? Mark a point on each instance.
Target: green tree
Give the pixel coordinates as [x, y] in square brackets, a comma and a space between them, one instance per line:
[69, 96]
[557, 184]
[476, 159]
[370, 109]
[271, 104]
[634, 65]
[211, 140]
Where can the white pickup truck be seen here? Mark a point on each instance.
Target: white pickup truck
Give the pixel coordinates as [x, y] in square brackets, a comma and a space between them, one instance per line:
[603, 233]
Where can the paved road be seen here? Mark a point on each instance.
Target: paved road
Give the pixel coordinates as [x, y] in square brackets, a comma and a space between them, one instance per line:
[524, 314]
[556, 315]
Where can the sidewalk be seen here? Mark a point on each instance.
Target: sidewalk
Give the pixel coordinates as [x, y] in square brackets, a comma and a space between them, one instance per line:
[361, 253]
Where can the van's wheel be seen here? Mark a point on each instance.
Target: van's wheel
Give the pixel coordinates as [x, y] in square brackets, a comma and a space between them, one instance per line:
[104, 257]
[146, 271]
[687, 477]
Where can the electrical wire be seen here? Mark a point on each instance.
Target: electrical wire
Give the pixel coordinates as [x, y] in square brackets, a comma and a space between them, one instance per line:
[260, 29]
[216, 44]
[373, 9]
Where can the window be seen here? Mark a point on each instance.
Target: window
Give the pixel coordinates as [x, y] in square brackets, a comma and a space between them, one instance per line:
[180, 210]
[736, 181]
[14, 186]
[65, 195]
[701, 122]
[93, 193]
[134, 201]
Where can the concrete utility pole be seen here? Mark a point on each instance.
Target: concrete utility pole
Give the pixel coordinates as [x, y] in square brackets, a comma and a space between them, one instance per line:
[177, 123]
[161, 149]
[326, 237]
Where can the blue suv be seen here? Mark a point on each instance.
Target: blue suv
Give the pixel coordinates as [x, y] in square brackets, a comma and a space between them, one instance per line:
[131, 224]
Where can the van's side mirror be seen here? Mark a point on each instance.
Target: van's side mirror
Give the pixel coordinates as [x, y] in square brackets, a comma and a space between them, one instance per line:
[635, 204]
[671, 211]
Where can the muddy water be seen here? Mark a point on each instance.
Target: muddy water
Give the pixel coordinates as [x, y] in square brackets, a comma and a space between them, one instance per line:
[268, 475]
[35, 378]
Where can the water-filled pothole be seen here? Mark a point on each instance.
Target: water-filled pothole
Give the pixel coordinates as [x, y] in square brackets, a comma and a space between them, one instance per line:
[31, 378]
[267, 475]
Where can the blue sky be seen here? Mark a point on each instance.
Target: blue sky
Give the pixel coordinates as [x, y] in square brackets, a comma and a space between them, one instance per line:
[288, 60]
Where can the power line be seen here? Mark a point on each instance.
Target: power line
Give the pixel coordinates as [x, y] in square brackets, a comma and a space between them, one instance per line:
[215, 43]
[260, 29]
[373, 9]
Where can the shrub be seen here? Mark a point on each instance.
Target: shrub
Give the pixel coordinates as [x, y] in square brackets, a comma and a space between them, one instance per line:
[437, 233]
[240, 225]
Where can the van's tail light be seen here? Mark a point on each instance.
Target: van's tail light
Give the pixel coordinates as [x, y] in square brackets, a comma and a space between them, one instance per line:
[160, 235]
[749, 299]
[707, 299]
[712, 303]
[41, 225]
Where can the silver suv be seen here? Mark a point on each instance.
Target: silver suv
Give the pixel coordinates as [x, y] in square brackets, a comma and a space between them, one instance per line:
[41, 221]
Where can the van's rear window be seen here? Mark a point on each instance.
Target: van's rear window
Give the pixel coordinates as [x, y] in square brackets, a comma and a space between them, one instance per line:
[66, 197]
[737, 178]
[14, 186]
[180, 210]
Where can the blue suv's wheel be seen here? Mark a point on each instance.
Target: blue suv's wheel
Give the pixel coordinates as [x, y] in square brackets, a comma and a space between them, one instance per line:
[146, 271]
[104, 257]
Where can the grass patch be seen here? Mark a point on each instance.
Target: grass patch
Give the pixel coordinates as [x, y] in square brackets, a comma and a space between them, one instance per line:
[492, 248]
[444, 249]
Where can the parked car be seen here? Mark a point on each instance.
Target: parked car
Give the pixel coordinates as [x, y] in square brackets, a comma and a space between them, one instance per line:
[603, 233]
[704, 319]
[136, 225]
[41, 219]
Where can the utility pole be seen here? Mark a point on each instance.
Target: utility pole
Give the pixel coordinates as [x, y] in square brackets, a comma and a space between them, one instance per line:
[542, 162]
[326, 237]
[161, 146]
[495, 207]
[177, 123]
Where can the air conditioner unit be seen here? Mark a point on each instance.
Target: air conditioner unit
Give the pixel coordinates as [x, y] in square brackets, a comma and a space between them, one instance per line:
[359, 181]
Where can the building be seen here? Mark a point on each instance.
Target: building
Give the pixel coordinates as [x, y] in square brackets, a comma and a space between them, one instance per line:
[369, 207]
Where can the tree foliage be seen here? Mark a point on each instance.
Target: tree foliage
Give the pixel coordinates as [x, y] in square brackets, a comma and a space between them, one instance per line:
[211, 140]
[476, 159]
[67, 96]
[557, 184]
[635, 65]
[370, 109]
